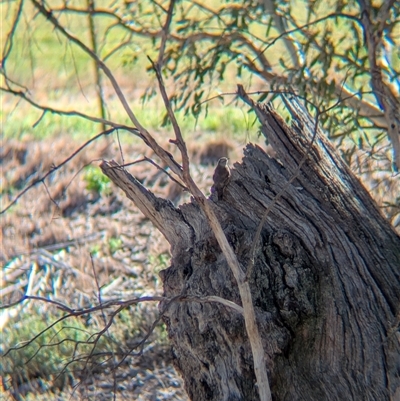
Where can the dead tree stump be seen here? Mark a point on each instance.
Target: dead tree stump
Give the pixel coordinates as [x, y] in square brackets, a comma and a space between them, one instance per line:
[325, 283]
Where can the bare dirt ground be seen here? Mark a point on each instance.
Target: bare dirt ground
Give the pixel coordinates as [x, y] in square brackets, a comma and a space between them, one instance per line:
[73, 234]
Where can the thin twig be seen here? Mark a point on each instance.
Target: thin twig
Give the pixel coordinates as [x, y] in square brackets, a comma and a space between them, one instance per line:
[36, 298]
[245, 97]
[164, 34]
[385, 97]
[8, 44]
[71, 113]
[166, 172]
[253, 333]
[93, 39]
[53, 169]
[300, 28]
[147, 138]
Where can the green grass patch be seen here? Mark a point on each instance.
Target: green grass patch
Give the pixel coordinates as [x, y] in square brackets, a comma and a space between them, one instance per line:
[43, 351]
[24, 121]
[59, 74]
[51, 349]
[96, 181]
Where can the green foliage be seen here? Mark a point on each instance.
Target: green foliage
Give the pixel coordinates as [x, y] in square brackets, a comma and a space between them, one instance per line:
[95, 250]
[38, 347]
[44, 126]
[97, 181]
[114, 244]
[233, 39]
[315, 49]
[232, 121]
[159, 262]
[133, 323]
[51, 349]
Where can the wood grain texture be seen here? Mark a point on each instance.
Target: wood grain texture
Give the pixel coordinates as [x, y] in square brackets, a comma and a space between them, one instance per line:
[325, 284]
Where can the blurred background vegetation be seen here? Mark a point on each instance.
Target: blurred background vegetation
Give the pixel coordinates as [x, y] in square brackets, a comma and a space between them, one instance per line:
[342, 53]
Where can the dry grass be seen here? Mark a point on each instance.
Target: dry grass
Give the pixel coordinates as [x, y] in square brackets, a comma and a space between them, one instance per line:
[48, 239]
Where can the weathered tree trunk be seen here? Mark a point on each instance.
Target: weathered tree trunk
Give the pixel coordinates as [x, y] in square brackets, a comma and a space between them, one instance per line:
[325, 284]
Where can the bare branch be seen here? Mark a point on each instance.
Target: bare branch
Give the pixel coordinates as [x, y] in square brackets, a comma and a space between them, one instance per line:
[244, 288]
[54, 168]
[270, 8]
[166, 172]
[164, 35]
[92, 32]
[386, 99]
[312, 23]
[10, 37]
[72, 113]
[245, 97]
[27, 297]
[167, 158]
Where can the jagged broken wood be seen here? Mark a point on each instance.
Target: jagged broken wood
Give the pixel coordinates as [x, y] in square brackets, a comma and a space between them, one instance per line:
[325, 283]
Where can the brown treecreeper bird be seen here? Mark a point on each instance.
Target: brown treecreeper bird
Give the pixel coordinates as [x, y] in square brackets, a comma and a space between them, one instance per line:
[221, 177]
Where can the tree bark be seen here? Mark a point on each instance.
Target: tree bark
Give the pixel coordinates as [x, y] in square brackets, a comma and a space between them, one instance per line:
[325, 283]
